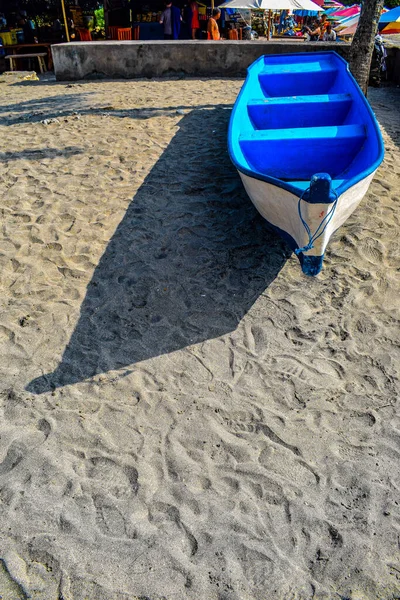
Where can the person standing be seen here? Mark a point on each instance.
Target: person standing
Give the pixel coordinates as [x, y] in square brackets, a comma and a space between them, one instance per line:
[194, 20]
[282, 19]
[171, 19]
[329, 34]
[212, 27]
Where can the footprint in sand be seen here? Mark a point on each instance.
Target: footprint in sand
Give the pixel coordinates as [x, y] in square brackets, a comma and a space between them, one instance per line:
[45, 427]
[54, 246]
[366, 326]
[67, 221]
[120, 481]
[383, 183]
[10, 589]
[168, 518]
[255, 339]
[372, 250]
[22, 217]
[109, 519]
[5, 333]
[74, 273]
[258, 567]
[15, 454]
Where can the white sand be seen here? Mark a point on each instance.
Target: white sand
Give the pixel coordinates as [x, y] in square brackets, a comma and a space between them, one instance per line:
[183, 414]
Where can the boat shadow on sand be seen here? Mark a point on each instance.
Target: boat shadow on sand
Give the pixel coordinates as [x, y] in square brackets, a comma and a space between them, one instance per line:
[185, 264]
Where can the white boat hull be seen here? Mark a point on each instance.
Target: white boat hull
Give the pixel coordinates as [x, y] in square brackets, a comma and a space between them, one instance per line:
[280, 208]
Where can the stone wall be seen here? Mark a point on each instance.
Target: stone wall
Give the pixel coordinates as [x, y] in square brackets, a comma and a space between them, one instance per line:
[393, 64]
[115, 60]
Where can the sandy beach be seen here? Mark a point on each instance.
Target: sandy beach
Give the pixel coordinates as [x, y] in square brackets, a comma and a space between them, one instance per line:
[183, 413]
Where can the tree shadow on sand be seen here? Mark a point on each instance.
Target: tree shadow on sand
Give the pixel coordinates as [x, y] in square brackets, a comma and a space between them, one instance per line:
[185, 264]
[37, 154]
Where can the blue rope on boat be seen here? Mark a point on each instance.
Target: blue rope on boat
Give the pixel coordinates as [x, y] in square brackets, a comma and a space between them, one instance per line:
[327, 218]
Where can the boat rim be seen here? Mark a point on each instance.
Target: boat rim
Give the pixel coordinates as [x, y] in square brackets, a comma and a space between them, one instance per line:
[286, 184]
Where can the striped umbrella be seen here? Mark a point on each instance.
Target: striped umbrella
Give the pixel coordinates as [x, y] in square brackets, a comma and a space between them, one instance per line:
[349, 30]
[390, 21]
[348, 21]
[331, 5]
[390, 15]
[393, 27]
[329, 11]
[346, 12]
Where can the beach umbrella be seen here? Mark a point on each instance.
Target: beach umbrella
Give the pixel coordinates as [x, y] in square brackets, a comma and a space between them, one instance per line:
[329, 11]
[393, 27]
[331, 5]
[305, 13]
[346, 12]
[349, 30]
[390, 16]
[347, 22]
[390, 21]
[272, 5]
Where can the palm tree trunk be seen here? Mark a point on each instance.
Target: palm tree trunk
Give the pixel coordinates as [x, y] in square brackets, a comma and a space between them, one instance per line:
[362, 46]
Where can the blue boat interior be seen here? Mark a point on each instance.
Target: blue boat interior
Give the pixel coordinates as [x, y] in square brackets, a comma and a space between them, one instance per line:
[302, 114]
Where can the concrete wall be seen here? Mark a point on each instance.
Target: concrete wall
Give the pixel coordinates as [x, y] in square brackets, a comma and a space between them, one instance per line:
[394, 64]
[228, 58]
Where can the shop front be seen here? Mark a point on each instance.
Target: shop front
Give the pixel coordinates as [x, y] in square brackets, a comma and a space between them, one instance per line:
[144, 16]
[28, 28]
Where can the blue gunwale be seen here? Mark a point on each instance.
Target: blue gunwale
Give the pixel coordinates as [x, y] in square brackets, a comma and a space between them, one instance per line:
[340, 185]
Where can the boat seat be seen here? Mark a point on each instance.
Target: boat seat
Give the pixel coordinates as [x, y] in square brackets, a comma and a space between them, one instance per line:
[304, 67]
[301, 79]
[300, 111]
[300, 153]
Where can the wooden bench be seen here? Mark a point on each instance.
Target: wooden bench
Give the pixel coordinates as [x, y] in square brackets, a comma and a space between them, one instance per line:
[39, 55]
[32, 47]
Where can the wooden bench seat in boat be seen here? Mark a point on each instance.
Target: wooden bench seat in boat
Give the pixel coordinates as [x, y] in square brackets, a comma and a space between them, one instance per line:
[298, 153]
[306, 78]
[299, 111]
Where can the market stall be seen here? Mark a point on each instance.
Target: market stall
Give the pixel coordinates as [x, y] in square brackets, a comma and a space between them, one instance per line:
[41, 25]
[147, 13]
[269, 7]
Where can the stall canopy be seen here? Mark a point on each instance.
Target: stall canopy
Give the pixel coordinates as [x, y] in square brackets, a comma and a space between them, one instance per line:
[309, 13]
[272, 5]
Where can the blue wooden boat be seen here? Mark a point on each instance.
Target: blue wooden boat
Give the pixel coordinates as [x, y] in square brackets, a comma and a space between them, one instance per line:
[306, 144]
